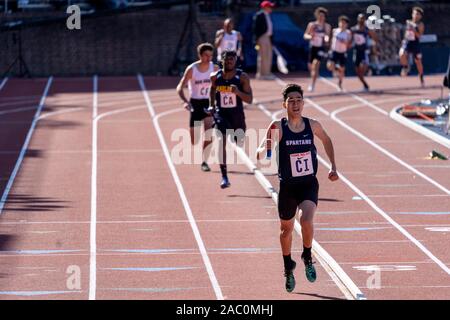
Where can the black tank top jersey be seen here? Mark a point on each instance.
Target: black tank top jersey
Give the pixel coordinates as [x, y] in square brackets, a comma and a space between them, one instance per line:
[357, 32]
[297, 154]
[224, 97]
[410, 28]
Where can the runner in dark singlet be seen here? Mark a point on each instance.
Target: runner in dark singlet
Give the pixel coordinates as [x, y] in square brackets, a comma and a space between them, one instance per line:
[230, 87]
[410, 44]
[318, 33]
[361, 34]
[297, 169]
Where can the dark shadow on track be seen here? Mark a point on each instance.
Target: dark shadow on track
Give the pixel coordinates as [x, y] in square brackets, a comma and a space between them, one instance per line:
[330, 200]
[27, 203]
[318, 296]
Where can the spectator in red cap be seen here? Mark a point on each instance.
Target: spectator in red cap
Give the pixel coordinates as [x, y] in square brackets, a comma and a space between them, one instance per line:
[262, 37]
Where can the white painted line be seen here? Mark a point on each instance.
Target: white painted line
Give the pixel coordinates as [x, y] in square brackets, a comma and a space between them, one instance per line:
[354, 96]
[187, 208]
[385, 268]
[418, 128]
[16, 110]
[25, 146]
[93, 223]
[3, 83]
[51, 114]
[393, 114]
[384, 151]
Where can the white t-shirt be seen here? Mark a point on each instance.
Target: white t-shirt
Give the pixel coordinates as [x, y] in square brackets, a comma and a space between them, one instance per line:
[229, 42]
[340, 40]
[200, 82]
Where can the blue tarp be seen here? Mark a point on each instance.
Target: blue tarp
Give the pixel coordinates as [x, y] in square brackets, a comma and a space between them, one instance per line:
[287, 37]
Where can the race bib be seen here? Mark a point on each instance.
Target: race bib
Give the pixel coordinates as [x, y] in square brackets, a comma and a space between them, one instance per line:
[228, 100]
[317, 40]
[301, 164]
[229, 45]
[204, 91]
[359, 39]
[410, 35]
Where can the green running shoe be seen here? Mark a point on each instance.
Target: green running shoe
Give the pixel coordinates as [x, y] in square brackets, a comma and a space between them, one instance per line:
[290, 279]
[310, 271]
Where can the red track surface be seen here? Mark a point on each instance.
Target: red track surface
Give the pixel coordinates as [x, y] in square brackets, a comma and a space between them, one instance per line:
[145, 247]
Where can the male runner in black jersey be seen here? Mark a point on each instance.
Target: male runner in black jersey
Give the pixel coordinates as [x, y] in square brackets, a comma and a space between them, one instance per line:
[318, 34]
[361, 34]
[411, 43]
[229, 88]
[297, 169]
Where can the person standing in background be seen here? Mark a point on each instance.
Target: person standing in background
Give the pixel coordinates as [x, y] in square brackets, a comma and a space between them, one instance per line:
[228, 39]
[262, 33]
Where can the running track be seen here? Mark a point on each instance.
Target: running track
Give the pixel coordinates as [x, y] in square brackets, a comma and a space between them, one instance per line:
[87, 186]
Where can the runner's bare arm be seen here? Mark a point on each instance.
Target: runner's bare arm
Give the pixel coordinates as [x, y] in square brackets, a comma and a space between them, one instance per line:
[308, 33]
[182, 84]
[239, 52]
[219, 37]
[246, 94]
[272, 132]
[212, 92]
[420, 31]
[320, 132]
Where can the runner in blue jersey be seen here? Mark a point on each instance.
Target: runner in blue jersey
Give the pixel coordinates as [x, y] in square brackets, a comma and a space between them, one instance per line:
[297, 170]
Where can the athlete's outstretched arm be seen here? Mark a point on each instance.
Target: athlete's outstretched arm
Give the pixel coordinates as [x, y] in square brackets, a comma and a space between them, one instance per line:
[246, 94]
[320, 132]
[182, 84]
[212, 92]
[272, 132]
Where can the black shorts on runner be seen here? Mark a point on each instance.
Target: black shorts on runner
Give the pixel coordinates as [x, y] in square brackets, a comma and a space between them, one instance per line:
[198, 113]
[230, 121]
[316, 53]
[360, 56]
[291, 195]
[412, 47]
[339, 58]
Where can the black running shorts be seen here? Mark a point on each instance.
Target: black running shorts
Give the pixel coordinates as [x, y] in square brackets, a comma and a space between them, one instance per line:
[198, 113]
[291, 195]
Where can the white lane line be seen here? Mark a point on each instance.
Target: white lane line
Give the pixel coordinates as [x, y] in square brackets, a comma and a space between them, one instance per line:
[393, 114]
[384, 151]
[187, 208]
[51, 114]
[342, 280]
[418, 128]
[354, 96]
[25, 146]
[16, 110]
[93, 222]
[3, 83]
[385, 215]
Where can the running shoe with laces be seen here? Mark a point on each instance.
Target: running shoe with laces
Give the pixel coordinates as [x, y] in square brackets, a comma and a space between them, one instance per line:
[310, 271]
[290, 279]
